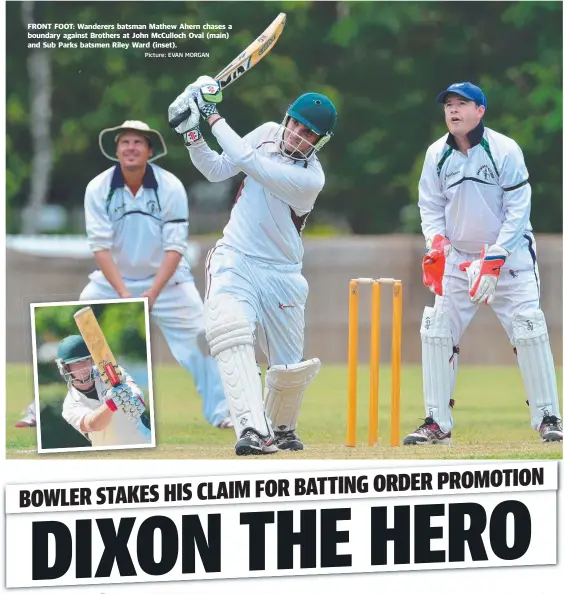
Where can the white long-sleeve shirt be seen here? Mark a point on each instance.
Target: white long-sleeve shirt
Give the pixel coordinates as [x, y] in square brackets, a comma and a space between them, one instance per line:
[139, 229]
[481, 198]
[120, 431]
[275, 198]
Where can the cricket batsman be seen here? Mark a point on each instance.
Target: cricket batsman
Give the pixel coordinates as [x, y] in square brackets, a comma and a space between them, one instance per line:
[475, 204]
[137, 226]
[105, 417]
[254, 279]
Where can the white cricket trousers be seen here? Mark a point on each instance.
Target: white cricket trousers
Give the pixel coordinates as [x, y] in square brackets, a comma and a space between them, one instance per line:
[272, 296]
[517, 294]
[517, 291]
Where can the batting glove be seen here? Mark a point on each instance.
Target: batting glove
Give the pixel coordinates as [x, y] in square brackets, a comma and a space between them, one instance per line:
[205, 90]
[483, 274]
[126, 400]
[208, 97]
[434, 262]
[179, 110]
[190, 128]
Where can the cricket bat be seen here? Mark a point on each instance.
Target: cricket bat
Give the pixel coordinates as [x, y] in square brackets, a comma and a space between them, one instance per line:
[244, 61]
[98, 346]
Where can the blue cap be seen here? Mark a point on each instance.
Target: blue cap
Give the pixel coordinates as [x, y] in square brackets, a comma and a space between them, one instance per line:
[465, 89]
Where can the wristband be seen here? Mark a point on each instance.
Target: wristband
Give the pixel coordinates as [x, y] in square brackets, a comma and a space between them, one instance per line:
[111, 405]
[215, 122]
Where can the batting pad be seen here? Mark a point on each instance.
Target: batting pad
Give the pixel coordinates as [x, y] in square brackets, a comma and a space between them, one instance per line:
[437, 362]
[231, 343]
[530, 338]
[285, 387]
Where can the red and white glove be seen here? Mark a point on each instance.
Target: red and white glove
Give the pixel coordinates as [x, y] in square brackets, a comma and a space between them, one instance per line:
[483, 274]
[434, 264]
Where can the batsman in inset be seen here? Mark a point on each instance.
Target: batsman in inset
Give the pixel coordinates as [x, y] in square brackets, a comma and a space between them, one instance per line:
[475, 204]
[254, 279]
[107, 417]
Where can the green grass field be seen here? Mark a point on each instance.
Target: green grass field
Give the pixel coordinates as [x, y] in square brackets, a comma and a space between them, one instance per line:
[492, 419]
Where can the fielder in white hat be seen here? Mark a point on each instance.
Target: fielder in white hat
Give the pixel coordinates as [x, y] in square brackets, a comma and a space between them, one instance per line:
[108, 139]
[137, 227]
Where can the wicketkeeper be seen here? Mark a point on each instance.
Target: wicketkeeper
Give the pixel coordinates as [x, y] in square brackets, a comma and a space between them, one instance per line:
[475, 203]
[105, 417]
[254, 279]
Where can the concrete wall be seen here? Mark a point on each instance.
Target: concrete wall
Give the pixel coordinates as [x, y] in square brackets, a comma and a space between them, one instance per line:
[329, 265]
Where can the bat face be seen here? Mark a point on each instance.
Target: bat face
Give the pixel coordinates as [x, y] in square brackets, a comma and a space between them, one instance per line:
[98, 346]
[234, 73]
[251, 56]
[264, 49]
[254, 53]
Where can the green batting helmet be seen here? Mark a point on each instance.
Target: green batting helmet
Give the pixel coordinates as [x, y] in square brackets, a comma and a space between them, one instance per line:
[73, 348]
[316, 112]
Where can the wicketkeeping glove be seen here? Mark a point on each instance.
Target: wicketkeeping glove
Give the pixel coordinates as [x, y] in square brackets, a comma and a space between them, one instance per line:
[126, 400]
[434, 264]
[483, 274]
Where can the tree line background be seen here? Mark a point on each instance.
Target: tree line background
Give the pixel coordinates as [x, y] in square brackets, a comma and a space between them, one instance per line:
[123, 325]
[382, 64]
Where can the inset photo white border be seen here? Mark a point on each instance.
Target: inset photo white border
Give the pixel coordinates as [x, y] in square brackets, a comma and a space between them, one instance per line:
[80, 305]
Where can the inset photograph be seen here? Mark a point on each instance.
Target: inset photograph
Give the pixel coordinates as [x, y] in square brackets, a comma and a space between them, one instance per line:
[92, 375]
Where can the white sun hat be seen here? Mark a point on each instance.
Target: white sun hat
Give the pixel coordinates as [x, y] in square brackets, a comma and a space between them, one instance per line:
[109, 136]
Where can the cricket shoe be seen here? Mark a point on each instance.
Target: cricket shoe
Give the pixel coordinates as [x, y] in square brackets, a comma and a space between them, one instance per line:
[252, 443]
[288, 440]
[427, 433]
[29, 420]
[227, 423]
[550, 428]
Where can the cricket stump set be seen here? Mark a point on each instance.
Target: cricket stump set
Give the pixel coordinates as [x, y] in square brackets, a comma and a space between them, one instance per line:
[375, 316]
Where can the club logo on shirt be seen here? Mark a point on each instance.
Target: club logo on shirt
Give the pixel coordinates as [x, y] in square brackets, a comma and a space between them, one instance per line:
[485, 172]
[119, 207]
[153, 207]
[282, 306]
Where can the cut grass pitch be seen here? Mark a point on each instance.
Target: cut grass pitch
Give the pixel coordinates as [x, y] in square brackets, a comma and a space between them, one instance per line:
[492, 420]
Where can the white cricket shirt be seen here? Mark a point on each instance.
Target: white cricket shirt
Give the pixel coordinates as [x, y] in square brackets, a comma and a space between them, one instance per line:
[481, 198]
[275, 198]
[139, 229]
[120, 431]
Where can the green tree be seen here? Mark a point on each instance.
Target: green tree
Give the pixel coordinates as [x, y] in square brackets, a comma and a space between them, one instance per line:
[123, 325]
[382, 63]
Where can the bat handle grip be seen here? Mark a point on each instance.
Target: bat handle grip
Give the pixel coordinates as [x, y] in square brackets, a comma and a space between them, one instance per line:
[112, 374]
[177, 120]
